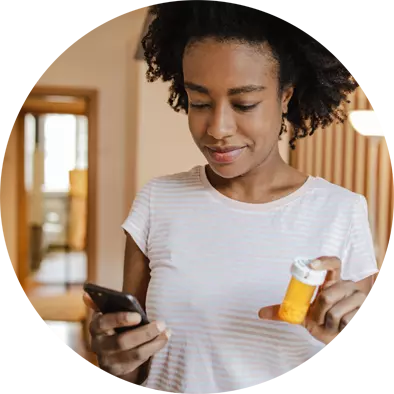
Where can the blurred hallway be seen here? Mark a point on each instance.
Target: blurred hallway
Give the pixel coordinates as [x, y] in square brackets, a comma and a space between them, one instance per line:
[58, 267]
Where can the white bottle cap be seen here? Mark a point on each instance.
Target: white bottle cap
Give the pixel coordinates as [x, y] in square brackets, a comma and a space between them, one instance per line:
[301, 270]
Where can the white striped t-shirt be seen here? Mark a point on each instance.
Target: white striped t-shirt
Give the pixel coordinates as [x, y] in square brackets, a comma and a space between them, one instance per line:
[215, 262]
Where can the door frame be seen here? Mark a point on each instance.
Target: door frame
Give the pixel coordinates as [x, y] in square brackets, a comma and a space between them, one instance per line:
[90, 96]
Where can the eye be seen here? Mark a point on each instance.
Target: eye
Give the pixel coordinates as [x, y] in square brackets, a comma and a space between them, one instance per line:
[245, 108]
[199, 106]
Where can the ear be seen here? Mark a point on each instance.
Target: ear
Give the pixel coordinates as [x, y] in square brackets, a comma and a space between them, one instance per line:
[287, 94]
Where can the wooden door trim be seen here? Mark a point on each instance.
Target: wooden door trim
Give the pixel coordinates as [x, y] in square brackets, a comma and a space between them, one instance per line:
[22, 237]
[91, 98]
[39, 106]
[66, 91]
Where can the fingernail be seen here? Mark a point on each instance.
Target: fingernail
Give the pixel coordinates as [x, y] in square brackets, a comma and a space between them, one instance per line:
[161, 326]
[315, 264]
[133, 318]
[168, 333]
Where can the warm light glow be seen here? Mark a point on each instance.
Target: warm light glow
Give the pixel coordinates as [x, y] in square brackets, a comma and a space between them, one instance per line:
[366, 123]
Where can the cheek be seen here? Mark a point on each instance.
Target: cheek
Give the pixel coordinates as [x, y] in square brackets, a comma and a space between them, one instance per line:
[271, 112]
[196, 126]
[261, 126]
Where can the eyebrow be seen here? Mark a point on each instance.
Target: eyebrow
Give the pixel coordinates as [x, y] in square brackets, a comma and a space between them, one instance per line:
[231, 92]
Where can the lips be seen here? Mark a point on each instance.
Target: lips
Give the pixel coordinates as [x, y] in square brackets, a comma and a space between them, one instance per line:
[225, 154]
[224, 149]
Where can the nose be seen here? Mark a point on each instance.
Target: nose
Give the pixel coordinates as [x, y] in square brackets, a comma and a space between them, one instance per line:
[221, 123]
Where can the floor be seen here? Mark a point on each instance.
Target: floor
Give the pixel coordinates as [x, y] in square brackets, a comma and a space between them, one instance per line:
[59, 267]
[56, 269]
[71, 335]
[66, 333]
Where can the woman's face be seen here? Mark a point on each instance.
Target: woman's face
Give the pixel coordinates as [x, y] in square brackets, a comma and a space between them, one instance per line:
[235, 107]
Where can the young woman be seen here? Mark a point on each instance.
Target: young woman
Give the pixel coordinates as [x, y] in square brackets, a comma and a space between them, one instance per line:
[209, 251]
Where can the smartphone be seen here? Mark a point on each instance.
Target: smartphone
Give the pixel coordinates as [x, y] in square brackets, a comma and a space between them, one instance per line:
[112, 301]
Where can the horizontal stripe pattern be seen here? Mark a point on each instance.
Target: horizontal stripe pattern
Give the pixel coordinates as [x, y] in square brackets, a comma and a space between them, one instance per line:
[215, 262]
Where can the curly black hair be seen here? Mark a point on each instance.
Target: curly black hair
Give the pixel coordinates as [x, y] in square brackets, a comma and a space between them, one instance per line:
[321, 82]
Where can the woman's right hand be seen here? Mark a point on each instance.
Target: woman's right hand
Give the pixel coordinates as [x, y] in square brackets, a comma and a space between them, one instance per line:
[122, 354]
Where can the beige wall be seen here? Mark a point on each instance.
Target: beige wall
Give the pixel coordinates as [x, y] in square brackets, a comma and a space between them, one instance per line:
[140, 136]
[100, 60]
[8, 197]
[164, 143]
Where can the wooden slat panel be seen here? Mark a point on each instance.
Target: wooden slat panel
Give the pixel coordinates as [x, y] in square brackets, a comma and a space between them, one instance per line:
[378, 170]
[366, 166]
[300, 152]
[343, 156]
[356, 141]
[349, 146]
[309, 142]
[360, 158]
[383, 201]
[319, 153]
[328, 153]
[338, 154]
[369, 151]
[391, 206]
[389, 219]
[370, 173]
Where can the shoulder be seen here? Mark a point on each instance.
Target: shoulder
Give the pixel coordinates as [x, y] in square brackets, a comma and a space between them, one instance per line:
[166, 191]
[331, 194]
[328, 199]
[177, 182]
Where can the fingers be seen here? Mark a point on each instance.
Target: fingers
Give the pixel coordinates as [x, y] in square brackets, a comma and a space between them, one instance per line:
[89, 302]
[341, 313]
[120, 364]
[140, 335]
[127, 340]
[121, 354]
[105, 324]
[345, 320]
[269, 312]
[328, 298]
[333, 267]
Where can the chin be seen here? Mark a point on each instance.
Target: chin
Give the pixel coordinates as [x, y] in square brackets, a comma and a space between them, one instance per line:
[228, 171]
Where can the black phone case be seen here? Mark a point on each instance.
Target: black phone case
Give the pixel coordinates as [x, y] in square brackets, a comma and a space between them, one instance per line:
[112, 301]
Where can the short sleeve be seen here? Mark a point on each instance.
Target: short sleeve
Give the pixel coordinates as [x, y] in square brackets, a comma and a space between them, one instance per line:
[359, 259]
[137, 223]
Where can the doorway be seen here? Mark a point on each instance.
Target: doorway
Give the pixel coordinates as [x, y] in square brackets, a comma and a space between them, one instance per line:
[59, 187]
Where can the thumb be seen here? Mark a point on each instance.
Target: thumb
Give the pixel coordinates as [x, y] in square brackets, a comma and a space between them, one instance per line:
[89, 302]
[269, 312]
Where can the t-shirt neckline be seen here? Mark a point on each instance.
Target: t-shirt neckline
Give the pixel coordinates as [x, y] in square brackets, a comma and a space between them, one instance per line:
[282, 201]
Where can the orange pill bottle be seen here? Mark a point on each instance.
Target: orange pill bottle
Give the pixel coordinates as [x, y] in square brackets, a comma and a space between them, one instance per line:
[302, 287]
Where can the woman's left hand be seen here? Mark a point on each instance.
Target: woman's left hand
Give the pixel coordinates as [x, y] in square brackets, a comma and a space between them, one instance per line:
[335, 305]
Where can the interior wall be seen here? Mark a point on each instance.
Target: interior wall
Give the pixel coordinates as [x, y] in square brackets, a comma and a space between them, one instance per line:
[344, 157]
[100, 61]
[8, 196]
[165, 145]
[139, 135]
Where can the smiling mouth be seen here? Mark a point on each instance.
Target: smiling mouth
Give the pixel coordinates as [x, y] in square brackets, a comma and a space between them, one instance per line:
[224, 149]
[225, 155]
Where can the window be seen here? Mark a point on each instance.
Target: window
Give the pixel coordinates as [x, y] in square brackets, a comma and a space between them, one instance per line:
[30, 143]
[81, 162]
[65, 149]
